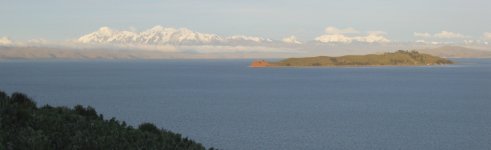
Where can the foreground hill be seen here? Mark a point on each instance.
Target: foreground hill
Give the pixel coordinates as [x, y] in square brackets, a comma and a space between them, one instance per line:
[399, 58]
[25, 126]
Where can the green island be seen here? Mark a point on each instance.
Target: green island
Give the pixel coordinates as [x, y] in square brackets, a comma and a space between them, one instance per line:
[25, 126]
[398, 58]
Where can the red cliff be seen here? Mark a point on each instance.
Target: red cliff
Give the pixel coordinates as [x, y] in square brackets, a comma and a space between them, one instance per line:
[259, 63]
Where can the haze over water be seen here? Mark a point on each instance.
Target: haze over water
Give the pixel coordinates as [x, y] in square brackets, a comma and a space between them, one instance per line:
[225, 104]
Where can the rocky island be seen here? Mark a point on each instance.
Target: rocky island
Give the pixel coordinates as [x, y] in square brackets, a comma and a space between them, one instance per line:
[398, 58]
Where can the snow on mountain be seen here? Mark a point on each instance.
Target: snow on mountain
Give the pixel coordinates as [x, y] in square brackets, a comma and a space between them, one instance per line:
[291, 39]
[107, 35]
[162, 35]
[5, 41]
[159, 35]
[247, 38]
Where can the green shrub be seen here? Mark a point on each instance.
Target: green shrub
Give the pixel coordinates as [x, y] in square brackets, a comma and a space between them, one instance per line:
[24, 126]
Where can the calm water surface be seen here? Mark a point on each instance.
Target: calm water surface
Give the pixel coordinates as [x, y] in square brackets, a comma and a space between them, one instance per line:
[225, 104]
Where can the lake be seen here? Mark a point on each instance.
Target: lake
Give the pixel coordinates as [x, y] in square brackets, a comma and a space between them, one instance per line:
[225, 104]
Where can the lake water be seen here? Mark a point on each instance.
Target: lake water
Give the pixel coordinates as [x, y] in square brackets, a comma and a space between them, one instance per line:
[225, 104]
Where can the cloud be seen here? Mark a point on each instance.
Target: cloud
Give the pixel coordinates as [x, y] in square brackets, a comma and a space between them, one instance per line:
[335, 35]
[373, 37]
[449, 35]
[334, 38]
[245, 38]
[487, 35]
[440, 35]
[422, 34]
[334, 30]
[291, 39]
[5, 41]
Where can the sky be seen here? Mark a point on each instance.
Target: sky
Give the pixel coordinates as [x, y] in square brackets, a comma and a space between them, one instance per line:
[399, 20]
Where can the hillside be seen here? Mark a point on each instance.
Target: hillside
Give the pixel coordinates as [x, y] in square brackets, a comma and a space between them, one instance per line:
[457, 52]
[399, 58]
[25, 126]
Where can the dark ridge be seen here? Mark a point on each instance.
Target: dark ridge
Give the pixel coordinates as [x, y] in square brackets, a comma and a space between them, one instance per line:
[25, 126]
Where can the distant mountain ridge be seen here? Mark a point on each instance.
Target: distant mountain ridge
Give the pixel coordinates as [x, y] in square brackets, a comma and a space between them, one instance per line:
[457, 52]
[162, 35]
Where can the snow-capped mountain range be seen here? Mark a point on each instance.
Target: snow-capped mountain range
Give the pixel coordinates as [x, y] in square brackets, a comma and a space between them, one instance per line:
[160, 35]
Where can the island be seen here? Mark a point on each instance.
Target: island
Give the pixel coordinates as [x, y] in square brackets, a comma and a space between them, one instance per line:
[398, 58]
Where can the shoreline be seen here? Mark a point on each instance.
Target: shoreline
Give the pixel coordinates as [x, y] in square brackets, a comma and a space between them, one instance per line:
[353, 66]
[398, 58]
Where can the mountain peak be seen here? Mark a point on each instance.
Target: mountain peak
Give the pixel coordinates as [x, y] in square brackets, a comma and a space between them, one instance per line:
[159, 35]
[105, 30]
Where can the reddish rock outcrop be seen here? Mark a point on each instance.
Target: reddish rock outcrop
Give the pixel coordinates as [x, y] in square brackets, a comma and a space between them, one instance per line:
[259, 63]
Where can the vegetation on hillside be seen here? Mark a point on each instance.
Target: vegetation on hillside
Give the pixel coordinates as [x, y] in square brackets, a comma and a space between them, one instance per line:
[25, 126]
[398, 58]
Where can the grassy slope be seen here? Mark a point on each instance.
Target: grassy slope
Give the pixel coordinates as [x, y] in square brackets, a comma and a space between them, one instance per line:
[402, 58]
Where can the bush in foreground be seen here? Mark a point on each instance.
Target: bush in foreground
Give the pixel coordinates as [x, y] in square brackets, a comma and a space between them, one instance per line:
[25, 126]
